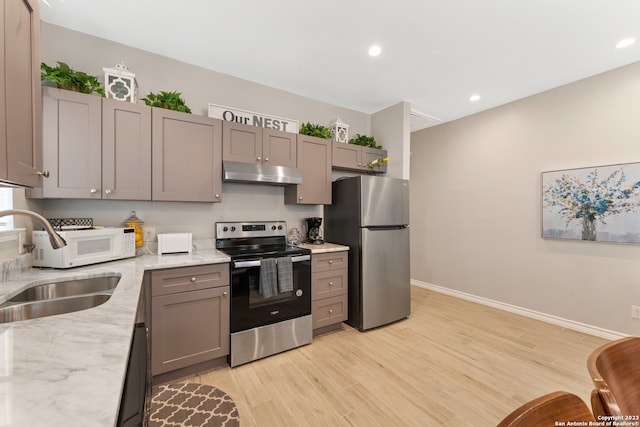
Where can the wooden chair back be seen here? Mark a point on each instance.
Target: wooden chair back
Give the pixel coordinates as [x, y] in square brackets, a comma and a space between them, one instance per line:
[615, 372]
[549, 410]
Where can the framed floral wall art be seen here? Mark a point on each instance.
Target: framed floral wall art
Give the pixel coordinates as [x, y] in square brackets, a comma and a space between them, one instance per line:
[597, 204]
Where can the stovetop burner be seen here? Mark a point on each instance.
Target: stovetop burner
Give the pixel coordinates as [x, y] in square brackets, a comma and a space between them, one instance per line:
[241, 240]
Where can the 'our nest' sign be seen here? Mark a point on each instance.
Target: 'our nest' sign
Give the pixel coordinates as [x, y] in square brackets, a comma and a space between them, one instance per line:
[254, 119]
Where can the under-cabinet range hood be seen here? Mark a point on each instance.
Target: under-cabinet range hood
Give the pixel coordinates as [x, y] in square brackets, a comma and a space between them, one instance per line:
[260, 173]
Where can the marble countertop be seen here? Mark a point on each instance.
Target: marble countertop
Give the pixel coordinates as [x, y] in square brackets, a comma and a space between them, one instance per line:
[69, 369]
[323, 248]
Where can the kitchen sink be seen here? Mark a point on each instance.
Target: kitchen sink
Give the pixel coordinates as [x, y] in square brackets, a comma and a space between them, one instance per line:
[67, 288]
[60, 297]
[51, 307]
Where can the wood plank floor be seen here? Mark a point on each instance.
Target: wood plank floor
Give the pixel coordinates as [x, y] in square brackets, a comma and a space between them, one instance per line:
[452, 363]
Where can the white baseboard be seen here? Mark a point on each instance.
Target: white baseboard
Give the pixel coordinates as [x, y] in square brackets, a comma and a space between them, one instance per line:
[565, 323]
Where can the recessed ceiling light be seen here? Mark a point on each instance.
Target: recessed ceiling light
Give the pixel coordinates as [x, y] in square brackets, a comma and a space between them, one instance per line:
[375, 50]
[625, 43]
[475, 97]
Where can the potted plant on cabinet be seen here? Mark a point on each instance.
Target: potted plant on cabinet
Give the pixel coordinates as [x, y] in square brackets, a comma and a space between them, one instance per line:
[169, 100]
[315, 130]
[365, 141]
[67, 78]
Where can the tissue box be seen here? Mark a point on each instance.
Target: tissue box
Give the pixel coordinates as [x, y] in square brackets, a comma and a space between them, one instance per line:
[171, 243]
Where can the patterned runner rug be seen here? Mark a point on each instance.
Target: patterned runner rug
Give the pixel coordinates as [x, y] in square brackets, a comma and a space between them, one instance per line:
[192, 405]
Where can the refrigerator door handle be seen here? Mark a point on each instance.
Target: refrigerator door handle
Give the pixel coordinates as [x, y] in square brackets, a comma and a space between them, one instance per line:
[386, 227]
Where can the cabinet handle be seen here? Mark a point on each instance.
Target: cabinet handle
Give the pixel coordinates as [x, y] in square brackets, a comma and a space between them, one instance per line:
[266, 159]
[330, 283]
[330, 261]
[224, 293]
[193, 279]
[217, 196]
[330, 311]
[259, 158]
[93, 190]
[43, 173]
[107, 191]
[300, 198]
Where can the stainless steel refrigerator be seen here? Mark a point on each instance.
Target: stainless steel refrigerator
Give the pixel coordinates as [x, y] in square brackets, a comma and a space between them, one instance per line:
[370, 214]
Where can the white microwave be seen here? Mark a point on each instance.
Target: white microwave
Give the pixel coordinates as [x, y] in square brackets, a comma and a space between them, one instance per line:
[84, 247]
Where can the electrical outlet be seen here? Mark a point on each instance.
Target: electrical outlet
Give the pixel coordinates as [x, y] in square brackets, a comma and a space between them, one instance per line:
[149, 234]
[635, 312]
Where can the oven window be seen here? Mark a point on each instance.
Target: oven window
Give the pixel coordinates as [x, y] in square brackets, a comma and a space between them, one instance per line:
[259, 295]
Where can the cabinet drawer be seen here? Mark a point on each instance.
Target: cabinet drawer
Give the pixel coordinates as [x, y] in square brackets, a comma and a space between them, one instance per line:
[329, 284]
[329, 261]
[328, 311]
[174, 280]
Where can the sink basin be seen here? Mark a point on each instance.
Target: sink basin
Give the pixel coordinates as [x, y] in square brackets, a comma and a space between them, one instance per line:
[32, 310]
[67, 288]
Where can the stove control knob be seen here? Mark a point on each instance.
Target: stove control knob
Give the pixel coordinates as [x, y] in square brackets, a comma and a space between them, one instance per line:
[273, 227]
[299, 293]
[225, 228]
[279, 227]
[233, 228]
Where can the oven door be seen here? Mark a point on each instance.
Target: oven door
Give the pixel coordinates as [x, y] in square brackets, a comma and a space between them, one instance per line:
[250, 309]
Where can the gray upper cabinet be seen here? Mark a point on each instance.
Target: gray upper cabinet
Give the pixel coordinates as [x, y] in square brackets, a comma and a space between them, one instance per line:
[187, 157]
[356, 157]
[95, 148]
[252, 144]
[20, 92]
[71, 144]
[314, 164]
[126, 150]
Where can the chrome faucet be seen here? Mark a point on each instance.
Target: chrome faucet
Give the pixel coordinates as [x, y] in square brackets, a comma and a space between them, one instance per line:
[56, 240]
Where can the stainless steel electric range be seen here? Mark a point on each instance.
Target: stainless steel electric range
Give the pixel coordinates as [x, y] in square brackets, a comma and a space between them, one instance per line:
[270, 289]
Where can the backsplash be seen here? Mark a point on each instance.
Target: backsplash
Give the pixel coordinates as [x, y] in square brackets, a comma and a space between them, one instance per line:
[12, 267]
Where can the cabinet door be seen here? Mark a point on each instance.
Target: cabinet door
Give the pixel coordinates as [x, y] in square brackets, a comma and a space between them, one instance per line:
[71, 144]
[371, 154]
[126, 150]
[314, 164]
[241, 143]
[3, 122]
[21, 81]
[189, 328]
[279, 148]
[186, 157]
[346, 156]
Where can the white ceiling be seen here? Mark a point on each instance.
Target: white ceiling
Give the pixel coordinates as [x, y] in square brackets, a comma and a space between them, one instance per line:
[435, 53]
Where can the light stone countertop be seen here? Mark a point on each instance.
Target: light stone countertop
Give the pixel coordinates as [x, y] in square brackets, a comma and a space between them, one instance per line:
[324, 248]
[68, 370]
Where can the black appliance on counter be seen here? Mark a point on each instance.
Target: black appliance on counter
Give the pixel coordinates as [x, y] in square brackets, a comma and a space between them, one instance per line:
[314, 235]
[270, 289]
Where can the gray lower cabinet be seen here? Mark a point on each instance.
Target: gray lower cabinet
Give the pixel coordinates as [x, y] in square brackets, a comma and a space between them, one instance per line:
[189, 316]
[314, 164]
[356, 157]
[20, 92]
[329, 282]
[187, 157]
[252, 144]
[95, 148]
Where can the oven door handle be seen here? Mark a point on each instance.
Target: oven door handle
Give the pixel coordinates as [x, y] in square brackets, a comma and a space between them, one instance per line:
[257, 262]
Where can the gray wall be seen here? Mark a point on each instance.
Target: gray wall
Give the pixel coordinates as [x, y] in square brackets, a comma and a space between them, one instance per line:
[476, 202]
[199, 87]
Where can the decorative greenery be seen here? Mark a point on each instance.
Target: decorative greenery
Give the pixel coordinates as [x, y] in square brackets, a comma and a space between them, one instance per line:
[593, 199]
[365, 141]
[315, 130]
[168, 100]
[68, 78]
